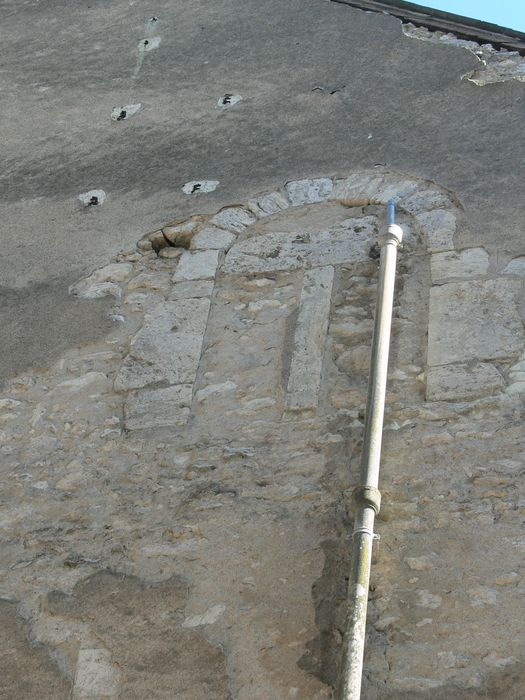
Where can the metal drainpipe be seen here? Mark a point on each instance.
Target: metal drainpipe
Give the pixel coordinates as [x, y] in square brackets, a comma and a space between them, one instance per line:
[367, 497]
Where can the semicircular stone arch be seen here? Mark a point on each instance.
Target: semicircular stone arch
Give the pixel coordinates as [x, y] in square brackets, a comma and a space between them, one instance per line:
[328, 223]
[214, 435]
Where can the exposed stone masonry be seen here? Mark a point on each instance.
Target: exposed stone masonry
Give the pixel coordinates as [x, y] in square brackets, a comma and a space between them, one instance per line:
[198, 461]
[498, 65]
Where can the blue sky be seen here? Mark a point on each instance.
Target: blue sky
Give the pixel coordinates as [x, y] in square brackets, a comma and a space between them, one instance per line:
[506, 13]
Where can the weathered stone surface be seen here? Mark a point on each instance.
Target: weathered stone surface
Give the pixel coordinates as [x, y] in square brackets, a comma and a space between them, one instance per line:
[159, 282]
[397, 189]
[310, 337]
[213, 389]
[348, 242]
[477, 319]
[234, 219]
[472, 262]
[426, 562]
[206, 618]
[497, 66]
[168, 346]
[170, 253]
[197, 265]
[440, 227]
[191, 290]
[516, 267]
[357, 187]
[426, 599]
[463, 382]
[267, 204]
[102, 282]
[89, 383]
[212, 238]
[425, 199]
[517, 378]
[232, 492]
[96, 676]
[309, 191]
[481, 596]
[181, 234]
[155, 408]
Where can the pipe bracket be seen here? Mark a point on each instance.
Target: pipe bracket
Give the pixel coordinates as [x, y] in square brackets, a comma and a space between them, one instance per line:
[368, 497]
[365, 531]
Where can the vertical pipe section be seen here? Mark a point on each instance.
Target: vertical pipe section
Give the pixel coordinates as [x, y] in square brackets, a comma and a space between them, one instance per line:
[367, 496]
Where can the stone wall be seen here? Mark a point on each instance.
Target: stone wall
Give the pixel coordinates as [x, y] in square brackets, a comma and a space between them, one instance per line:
[176, 496]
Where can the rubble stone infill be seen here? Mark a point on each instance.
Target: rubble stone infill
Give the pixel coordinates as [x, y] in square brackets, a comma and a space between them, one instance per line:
[185, 482]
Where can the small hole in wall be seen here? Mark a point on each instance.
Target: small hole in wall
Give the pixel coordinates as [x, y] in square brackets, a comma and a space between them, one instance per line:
[198, 186]
[146, 42]
[122, 115]
[374, 252]
[229, 99]
[93, 201]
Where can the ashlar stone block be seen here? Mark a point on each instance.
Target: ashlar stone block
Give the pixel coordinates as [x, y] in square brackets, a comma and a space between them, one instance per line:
[426, 199]
[96, 676]
[268, 204]
[516, 267]
[472, 262]
[234, 219]
[195, 289]
[310, 338]
[359, 186]
[440, 227]
[309, 191]
[212, 238]
[463, 382]
[157, 408]
[346, 242]
[474, 320]
[198, 265]
[168, 346]
[102, 282]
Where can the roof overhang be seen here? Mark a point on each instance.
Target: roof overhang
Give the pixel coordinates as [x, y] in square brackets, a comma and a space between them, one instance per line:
[436, 20]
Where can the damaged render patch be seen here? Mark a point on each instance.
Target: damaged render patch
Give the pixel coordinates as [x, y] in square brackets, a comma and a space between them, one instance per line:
[92, 198]
[197, 186]
[498, 66]
[118, 114]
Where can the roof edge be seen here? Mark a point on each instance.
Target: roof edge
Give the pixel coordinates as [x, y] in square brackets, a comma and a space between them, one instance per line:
[438, 20]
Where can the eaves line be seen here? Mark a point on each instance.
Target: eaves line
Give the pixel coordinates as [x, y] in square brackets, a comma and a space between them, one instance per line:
[437, 20]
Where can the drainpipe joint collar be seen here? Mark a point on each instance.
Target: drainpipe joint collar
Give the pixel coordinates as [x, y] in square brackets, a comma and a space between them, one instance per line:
[368, 497]
[393, 234]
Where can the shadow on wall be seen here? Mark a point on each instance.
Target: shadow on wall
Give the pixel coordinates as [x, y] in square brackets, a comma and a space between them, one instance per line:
[506, 684]
[27, 669]
[34, 335]
[323, 655]
[123, 636]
